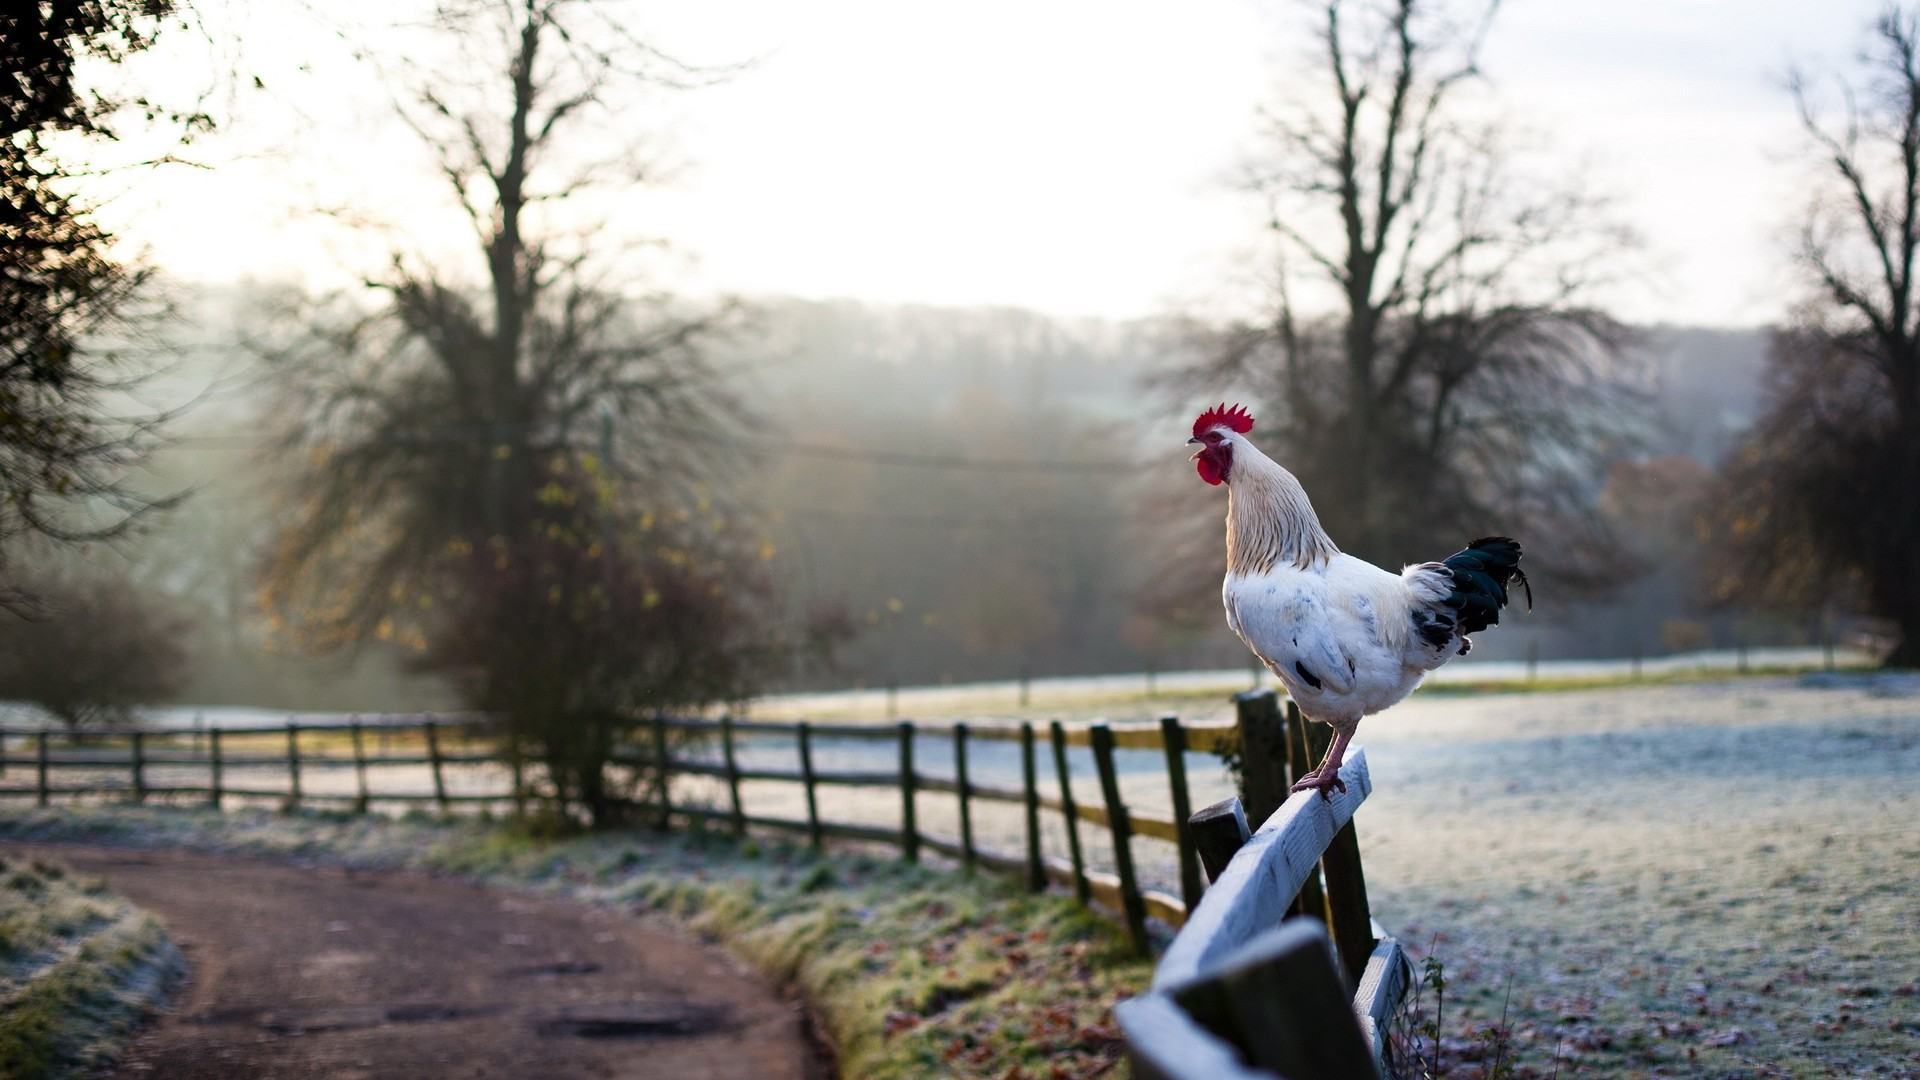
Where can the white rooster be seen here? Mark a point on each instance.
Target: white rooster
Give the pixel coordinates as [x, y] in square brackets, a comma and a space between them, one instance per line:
[1346, 637]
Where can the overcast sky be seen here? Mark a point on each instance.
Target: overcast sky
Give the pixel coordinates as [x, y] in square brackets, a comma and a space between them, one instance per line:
[1072, 156]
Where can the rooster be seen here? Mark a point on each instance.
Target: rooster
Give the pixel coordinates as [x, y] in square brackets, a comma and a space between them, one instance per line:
[1347, 638]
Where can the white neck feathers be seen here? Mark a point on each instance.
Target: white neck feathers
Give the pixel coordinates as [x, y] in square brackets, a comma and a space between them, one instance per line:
[1269, 520]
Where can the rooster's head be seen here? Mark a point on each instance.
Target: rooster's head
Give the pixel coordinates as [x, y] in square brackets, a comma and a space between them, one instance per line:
[1214, 434]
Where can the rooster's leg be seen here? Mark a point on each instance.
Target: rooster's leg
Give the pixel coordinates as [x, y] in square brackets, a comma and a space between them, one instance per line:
[1327, 776]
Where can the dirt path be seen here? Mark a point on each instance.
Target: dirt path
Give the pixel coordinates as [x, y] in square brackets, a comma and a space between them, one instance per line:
[319, 972]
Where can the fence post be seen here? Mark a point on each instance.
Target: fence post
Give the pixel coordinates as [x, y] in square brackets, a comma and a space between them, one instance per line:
[661, 773]
[909, 832]
[359, 765]
[1080, 886]
[1348, 914]
[293, 764]
[218, 766]
[1118, 824]
[1219, 831]
[139, 766]
[1036, 871]
[806, 778]
[1312, 739]
[516, 760]
[960, 778]
[41, 769]
[733, 775]
[1279, 1001]
[1173, 738]
[433, 758]
[1263, 754]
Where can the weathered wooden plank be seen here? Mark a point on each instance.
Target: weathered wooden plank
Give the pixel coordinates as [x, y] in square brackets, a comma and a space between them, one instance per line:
[1219, 831]
[857, 779]
[433, 759]
[1167, 908]
[804, 737]
[1058, 735]
[215, 766]
[909, 832]
[663, 769]
[139, 762]
[874, 732]
[1130, 899]
[732, 773]
[1030, 796]
[767, 727]
[1251, 894]
[1348, 915]
[1211, 737]
[1175, 740]
[1158, 827]
[293, 764]
[1164, 1043]
[1312, 741]
[359, 763]
[960, 786]
[995, 794]
[1263, 754]
[1280, 999]
[1383, 984]
[516, 767]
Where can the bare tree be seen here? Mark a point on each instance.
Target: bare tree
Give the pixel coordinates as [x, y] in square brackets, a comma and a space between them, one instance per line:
[518, 478]
[1428, 361]
[66, 446]
[96, 649]
[1817, 507]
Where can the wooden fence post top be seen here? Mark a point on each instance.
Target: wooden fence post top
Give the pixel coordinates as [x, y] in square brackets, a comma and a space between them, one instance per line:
[1264, 777]
[1164, 1043]
[1219, 831]
[1279, 998]
[1253, 892]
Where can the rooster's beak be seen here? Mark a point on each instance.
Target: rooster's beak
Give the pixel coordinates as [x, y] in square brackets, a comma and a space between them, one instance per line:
[1195, 441]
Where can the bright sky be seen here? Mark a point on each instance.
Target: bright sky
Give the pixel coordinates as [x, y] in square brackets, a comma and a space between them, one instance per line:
[1072, 156]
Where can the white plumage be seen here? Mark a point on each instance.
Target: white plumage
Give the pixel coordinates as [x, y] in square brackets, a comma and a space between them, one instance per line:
[1346, 637]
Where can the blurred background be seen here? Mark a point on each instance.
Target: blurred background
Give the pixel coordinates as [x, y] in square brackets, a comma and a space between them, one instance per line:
[548, 354]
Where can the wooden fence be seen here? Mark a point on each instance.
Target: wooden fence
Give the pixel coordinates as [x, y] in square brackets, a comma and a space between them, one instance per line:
[123, 763]
[1278, 971]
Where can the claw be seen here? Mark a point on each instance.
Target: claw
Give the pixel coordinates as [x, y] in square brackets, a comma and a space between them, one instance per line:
[1312, 780]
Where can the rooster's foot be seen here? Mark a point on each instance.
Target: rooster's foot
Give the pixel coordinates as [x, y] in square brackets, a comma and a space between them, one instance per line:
[1326, 786]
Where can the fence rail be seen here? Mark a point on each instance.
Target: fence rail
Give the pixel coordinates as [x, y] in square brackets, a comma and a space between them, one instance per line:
[1279, 970]
[122, 762]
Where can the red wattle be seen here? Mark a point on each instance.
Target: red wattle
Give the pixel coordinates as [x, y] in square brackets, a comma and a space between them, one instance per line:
[1208, 469]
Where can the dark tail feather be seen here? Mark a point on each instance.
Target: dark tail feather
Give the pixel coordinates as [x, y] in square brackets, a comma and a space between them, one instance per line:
[1481, 574]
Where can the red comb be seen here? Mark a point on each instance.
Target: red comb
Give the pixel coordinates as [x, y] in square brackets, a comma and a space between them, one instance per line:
[1237, 418]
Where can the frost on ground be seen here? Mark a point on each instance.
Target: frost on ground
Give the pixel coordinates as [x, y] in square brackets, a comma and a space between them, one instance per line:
[79, 969]
[912, 972]
[1714, 880]
[1685, 880]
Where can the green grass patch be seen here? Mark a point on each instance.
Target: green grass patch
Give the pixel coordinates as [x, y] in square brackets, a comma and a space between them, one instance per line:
[79, 969]
[910, 971]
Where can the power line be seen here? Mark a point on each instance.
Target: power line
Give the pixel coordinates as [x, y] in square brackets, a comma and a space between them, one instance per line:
[900, 458]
